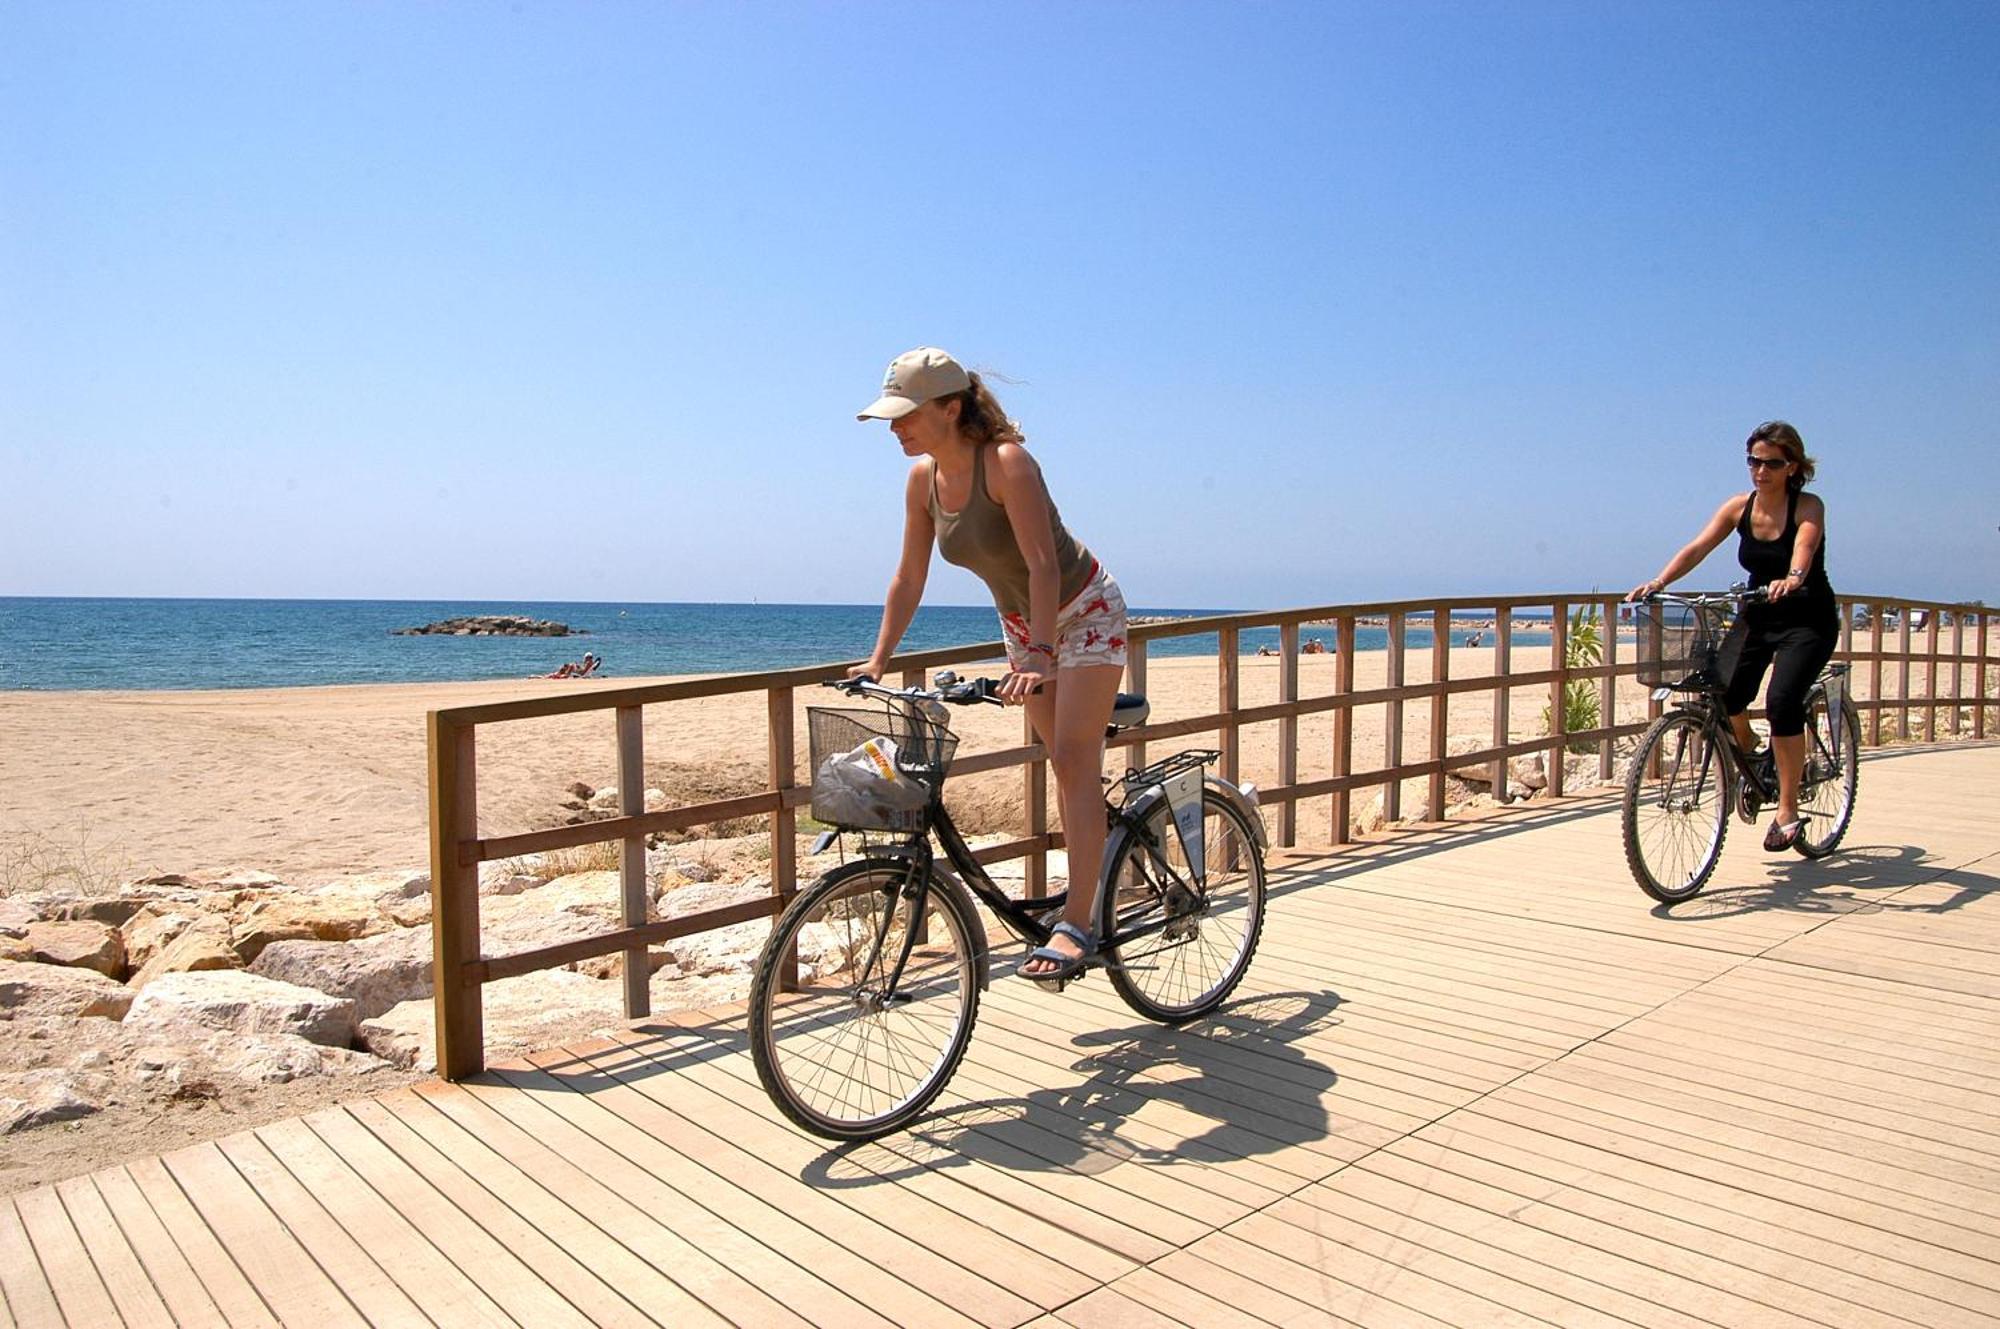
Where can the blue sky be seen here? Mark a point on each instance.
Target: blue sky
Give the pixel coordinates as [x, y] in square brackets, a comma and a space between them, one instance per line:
[1298, 302]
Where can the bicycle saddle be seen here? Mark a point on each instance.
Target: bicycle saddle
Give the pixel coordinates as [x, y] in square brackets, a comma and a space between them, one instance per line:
[1129, 711]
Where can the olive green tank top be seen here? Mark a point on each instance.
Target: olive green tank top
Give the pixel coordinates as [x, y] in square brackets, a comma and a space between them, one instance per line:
[978, 537]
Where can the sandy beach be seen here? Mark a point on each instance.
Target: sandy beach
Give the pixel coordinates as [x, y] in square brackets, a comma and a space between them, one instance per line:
[305, 782]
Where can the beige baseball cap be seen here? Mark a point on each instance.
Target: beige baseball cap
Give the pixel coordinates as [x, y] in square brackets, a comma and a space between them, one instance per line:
[914, 378]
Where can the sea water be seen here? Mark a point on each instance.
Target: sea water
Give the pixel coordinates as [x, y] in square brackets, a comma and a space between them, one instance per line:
[57, 643]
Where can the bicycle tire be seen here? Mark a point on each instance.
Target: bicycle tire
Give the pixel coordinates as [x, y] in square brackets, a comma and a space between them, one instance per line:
[1828, 800]
[1676, 812]
[1147, 970]
[834, 1060]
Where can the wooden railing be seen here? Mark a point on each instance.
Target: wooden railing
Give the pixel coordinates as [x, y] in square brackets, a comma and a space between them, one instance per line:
[458, 848]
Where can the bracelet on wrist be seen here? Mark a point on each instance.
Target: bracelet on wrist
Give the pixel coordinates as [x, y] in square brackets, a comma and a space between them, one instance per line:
[1041, 648]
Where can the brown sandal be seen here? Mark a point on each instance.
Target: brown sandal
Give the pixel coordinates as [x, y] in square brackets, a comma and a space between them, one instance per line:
[1782, 837]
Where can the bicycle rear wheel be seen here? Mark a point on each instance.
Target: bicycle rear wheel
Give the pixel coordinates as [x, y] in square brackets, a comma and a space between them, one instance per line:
[1204, 934]
[1832, 772]
[876, 1014]
[1676, 811]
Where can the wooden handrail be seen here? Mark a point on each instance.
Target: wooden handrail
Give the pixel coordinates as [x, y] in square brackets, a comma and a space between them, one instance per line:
[457, 848]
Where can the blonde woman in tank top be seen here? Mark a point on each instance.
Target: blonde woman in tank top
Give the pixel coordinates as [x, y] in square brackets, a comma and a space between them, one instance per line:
[976, 495]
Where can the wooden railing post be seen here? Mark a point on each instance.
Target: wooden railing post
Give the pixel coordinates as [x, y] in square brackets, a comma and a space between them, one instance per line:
[461, 1030]
[1227, 667]
[1503, 658]
[1135, 683]
[1341, 825]
[1957, 669]
[782, 761]
[1392, 726]
[1984, 623]
[1558, 694]
[1903, 673]
[1875, 673]
[1440, 674]
[1930, 675]
[1288, 732]
[1607, 691]
[633, 905]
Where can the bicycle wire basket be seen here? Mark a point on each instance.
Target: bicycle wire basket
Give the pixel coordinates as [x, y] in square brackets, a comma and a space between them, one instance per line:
[876, 769]
[1679, 643]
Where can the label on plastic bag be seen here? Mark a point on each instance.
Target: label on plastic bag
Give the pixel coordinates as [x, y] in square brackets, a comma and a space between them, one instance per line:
[880, 755]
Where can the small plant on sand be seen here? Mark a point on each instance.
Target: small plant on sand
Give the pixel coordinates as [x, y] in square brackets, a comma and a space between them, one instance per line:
[1582, 648]
[600, 857]
[30, 861]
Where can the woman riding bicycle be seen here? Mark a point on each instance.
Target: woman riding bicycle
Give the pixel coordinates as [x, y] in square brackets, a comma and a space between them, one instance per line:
[977, 495]
[1781, 543]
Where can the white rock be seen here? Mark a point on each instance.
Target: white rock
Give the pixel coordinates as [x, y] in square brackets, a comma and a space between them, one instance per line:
[233, 1001]
[38, 1098]
[374, 973]
[15, 917]
[44, 990]
[532, 1011]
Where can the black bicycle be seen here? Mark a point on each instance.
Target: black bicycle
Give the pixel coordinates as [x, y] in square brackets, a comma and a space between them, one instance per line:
[863, 999]
[1688, 772]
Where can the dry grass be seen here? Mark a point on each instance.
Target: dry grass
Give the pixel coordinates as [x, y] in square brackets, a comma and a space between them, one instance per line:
[31, 862]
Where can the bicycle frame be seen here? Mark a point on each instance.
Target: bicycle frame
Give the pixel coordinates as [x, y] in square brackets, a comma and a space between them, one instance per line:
[1173, 778]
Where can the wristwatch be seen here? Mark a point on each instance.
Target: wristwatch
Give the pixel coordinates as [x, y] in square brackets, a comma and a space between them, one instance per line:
[1798, 574]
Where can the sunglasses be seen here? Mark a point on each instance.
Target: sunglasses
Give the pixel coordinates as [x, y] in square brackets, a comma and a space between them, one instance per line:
[1767, 463]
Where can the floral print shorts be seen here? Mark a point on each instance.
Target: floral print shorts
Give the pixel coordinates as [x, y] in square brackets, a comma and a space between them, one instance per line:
[1090, 629]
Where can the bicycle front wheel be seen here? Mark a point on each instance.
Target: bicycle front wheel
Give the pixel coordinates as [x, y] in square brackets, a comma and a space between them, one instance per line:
[1832, 772]
[1676, 811]
[1193, 939]
[863, 1000]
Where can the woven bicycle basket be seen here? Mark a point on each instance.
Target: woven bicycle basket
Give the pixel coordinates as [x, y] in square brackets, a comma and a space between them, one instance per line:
[1677, 642]
[876, 770]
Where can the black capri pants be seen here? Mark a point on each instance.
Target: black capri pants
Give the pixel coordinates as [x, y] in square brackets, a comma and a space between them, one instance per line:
[1795, 655]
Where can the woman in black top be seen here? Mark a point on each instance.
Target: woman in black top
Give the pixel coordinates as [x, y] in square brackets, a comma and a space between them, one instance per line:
[1781, 543]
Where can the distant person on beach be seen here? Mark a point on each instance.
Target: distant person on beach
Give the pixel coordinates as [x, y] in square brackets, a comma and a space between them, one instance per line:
[583, 668]
[976, 494]
[1781, 543]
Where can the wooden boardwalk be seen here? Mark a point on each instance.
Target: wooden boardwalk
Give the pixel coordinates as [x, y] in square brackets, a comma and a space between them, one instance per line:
[1475, 1078]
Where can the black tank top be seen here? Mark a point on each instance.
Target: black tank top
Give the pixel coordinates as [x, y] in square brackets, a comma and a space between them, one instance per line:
[1766, 561]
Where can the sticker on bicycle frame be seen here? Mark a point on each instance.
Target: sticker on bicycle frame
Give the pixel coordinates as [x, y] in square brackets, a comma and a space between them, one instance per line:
[1184, 801]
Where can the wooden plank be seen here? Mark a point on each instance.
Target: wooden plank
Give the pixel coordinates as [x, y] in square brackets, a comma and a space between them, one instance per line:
[25, 1290]
[476, 1106]
[725, 1153]
[222, 1278]
[139, 1303]
[580, 1284]
[644, 1285]
[270, 1256]
[1392, 717]
[302, 1199]
[188, 1302]
[919, 1193]
[57, 1254]
[756, 1247]
[1228, 666]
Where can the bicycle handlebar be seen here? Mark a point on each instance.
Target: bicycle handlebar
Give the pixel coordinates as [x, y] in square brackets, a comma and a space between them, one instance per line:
[951, 688]
[1738, 593]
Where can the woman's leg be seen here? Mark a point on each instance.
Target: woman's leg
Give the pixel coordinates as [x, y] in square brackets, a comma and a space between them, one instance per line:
[1801, 654]
[1071, 726]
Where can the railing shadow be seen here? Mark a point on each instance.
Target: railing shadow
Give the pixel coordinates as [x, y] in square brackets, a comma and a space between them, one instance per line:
[1240, 1072]
[1301, 869]
[1862, 879]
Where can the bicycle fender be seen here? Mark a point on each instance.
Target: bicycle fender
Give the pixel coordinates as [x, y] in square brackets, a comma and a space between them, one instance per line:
[1244, 803]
